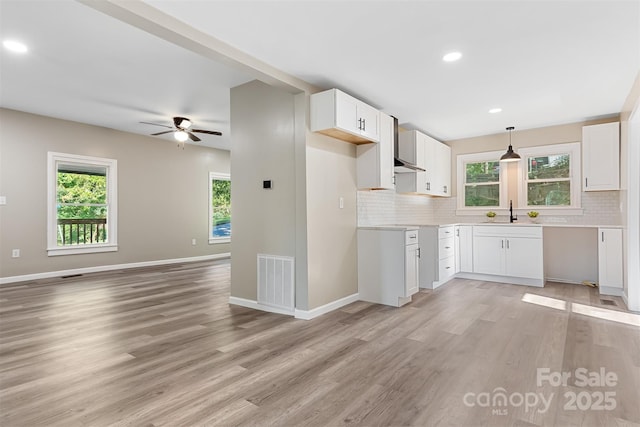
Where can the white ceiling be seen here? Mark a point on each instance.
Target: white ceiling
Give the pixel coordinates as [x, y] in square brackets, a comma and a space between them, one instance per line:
[542, 62]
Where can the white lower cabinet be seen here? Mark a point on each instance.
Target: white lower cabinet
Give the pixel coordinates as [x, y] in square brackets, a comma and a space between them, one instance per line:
[464, 248]
[438, 255]
[388, 267]
[509, 253]
[610, 272]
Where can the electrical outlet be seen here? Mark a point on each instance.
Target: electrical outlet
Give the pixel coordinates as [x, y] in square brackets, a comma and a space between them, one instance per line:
[193, 242]
[3, 200]
[15, 253]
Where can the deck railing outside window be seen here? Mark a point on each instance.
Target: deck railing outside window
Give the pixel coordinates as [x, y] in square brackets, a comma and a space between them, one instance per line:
[82, 231]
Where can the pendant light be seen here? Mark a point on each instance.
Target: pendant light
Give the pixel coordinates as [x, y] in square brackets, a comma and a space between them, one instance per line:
[510, 155]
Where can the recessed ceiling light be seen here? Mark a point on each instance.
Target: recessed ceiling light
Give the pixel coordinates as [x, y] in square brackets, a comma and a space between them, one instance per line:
[15, 46]
[452, 56]
[495, 110]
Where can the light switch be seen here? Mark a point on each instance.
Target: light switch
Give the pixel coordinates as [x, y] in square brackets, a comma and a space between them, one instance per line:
[3, 200]
[341, 202]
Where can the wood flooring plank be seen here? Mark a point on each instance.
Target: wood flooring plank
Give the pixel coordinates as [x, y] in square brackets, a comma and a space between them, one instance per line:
[161, 346]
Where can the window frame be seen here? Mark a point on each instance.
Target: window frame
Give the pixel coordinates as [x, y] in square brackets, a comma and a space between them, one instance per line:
[111, 166]
[573, 149]
[218, 176]
[489, 156]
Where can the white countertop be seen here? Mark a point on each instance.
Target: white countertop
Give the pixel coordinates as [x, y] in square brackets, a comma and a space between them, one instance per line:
[498, 224]
[391, 227]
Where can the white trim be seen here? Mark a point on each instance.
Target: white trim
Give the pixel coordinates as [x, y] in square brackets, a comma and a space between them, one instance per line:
[489, 156]
[502, 279]
[80, 249]
[299, 314]
[606, 290]
[249, 303]
[326, 308]
[111, 166]
[223, 177]
[571, 148]
[219, 240]
[101, 268]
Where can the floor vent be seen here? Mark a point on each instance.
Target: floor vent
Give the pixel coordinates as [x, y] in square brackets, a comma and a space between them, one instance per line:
[276, 281]
[607, 302]
[70, 276]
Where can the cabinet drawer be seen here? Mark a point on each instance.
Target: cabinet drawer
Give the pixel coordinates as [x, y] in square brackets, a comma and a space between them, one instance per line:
[445, 232]
[411, 237]
[507, 231]
[446, 268]
[446, 247]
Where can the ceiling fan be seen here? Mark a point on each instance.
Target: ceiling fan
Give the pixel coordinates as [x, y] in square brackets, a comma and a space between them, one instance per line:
[182, 130]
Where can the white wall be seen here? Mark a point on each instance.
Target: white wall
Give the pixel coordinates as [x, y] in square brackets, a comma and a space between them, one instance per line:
[162, 193]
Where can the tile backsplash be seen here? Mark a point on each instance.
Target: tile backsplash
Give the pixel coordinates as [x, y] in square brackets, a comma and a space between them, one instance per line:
[387, 207]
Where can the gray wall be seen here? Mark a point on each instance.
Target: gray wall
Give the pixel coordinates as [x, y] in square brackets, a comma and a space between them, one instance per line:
[300, 216]
[162, 193]
[332, 243]
[263, 148]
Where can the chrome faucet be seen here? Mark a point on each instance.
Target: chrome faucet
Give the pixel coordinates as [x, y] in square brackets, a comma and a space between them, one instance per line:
[511, 217]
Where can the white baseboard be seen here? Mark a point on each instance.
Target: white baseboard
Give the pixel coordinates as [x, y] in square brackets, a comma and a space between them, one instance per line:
[539, 283]
[569, 281]
[615, 292]
[299, 314]
[257, 306]
[100, 268]
[324, 309]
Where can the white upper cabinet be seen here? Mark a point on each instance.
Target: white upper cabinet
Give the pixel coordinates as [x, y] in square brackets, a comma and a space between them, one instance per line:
[375, 161]
[342, 116]
[438, 166]
[411, 148]
[601, 157]
[429, 154]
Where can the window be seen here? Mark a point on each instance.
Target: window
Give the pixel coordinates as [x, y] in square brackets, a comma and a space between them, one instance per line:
[219, 208]
[550, 176]
[480, 181]
[82, 208]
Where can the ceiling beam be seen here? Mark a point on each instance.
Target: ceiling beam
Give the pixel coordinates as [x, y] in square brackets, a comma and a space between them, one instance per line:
[151, 20]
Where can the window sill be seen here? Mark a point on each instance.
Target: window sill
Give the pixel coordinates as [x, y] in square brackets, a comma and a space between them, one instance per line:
[219, 241]
[542, 210]
[77, 250]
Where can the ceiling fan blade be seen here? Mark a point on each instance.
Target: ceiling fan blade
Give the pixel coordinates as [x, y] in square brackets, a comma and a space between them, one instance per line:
[156, 124]
[162, 133]
[193, 137]
[210, 132]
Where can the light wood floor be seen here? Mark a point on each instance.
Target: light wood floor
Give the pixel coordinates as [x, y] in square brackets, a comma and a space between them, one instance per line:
[161, 347]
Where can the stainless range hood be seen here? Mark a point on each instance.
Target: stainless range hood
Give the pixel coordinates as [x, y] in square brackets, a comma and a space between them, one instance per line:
[401, 166]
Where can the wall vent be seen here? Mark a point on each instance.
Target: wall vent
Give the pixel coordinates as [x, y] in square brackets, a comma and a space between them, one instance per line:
[276, 282]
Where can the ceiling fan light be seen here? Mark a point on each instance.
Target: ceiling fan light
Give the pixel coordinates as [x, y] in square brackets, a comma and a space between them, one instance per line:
[185, 124]
[181, 136]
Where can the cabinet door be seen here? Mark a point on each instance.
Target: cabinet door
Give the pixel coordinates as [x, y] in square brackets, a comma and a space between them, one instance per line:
[347, 112]
[430, 160]
[488, 255]
[610, 258]
[524, 258]
[601, 157]
[465, 249]
[375, 161]
[368, 121]
[411, 270]
[443, 170]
